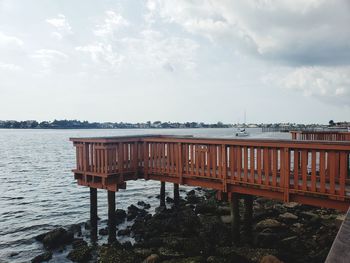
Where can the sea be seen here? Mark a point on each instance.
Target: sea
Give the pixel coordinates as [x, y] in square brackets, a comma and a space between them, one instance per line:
[38, 192]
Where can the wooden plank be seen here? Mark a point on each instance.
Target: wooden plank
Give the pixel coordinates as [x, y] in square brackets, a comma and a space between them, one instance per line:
[245, 154]
[274, 166]
[239, 163]
[343, 169]
[296, 169]
[332, 171]
[259, 166]
[313, 171]
[192, 159]
[322, 171]
[304, 159]
[266, 166]
[252, 165]
[232, 161]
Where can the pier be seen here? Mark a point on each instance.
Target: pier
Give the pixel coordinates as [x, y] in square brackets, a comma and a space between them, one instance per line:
[308, 172]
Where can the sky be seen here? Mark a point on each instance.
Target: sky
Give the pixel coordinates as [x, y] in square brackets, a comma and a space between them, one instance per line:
[184, 60]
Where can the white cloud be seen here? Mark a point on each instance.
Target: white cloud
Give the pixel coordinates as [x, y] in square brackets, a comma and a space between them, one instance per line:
[61, 25]
[103, 54]
[49, 58]
[327, 83]
[9, 41]
[9, 67]
[293, 32]
[112, 22]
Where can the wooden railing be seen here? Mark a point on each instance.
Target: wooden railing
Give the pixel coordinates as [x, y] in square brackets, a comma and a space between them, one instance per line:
[320, 136]
[308, 172]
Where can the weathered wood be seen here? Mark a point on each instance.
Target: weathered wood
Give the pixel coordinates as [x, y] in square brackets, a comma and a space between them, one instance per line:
[176, 194]
[248, 215]
[235, 223]
[111, 217]
[162, 194]
[93, 213]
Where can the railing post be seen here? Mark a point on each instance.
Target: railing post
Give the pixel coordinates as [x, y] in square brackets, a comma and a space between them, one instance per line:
[93, 213]
[162, 194]
[224, 167]
[111, 217]
[180, 163]
[286, 174]
[145, 160]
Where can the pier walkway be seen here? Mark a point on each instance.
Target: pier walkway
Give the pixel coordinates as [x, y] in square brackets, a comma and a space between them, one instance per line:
[308, 172]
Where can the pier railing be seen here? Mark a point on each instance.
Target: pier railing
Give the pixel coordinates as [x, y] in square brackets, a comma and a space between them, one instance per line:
[310, 172]
[320, 135]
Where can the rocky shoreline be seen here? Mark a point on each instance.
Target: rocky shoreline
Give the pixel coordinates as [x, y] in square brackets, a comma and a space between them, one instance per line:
[199, 230]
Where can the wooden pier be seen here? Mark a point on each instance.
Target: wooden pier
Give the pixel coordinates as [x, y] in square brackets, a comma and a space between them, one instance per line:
[308, 172]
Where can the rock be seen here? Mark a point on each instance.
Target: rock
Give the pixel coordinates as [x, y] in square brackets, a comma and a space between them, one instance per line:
[207, 207]
[144, 205]
[124, 232]
[255, 254]
[75, 228]
[288, 241]
[270, 259]
[226, 219]
[153, 258]
[57, 238]
[291, 205]
[311, 217]
[120, 216]
[115, 253]
[167, 253]
[169, 200]
[267, 240]
[42, 257]
[268, 223]
[288, 216]
[80, 254]
[78, 243]
[103, 231]
[144, 252]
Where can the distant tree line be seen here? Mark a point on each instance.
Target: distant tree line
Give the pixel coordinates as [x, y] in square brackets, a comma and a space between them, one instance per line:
[76, 124]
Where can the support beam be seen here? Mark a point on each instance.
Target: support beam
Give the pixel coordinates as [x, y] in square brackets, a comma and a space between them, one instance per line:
[176, 195]
[248, 216]
[235, 217]
[111, 217]
[162, 194]
[93, 214]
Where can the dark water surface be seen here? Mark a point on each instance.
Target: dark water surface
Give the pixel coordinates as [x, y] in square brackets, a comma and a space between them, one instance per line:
[38, 191]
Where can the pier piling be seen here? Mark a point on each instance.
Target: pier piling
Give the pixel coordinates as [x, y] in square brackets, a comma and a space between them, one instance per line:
[162, 194]
[93, 213]
[176, 195]
[248, 215]
[235, 224]
[111, 217]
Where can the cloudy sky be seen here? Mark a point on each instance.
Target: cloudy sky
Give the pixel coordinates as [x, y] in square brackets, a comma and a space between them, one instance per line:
[104, 60]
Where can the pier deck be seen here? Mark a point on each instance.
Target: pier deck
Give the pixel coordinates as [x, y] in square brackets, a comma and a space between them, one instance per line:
[308, 172]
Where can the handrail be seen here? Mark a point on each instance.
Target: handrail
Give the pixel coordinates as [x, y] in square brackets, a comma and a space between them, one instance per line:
[289, 167]
[321, 135]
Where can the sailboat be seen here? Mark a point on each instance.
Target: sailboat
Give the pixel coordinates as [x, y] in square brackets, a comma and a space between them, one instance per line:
[242, 132]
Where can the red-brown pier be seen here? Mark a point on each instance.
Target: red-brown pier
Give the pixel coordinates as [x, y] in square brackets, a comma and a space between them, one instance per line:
[299, 170]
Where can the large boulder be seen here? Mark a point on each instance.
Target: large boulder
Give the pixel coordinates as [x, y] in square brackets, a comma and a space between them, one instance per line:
[42, 257]
[56, 238]
[80, 254]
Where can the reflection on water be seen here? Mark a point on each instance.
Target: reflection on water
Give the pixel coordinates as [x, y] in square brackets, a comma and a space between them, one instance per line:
[38, 191]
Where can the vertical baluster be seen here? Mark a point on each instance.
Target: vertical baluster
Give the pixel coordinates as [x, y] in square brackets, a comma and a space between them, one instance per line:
[259, 166]
[208, 160]
[313, 171]
[322, 172]
[296, 169]
[304, 159]
[266, 166]
[274, 166]
[239, 163]
[332, 171]
[343, 169]
[252, 165]
[245, 153]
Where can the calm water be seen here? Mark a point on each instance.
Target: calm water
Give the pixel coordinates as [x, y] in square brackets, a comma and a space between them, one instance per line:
[38, 191]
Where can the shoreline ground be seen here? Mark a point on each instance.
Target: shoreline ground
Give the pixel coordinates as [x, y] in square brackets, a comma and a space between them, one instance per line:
[199, 230]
